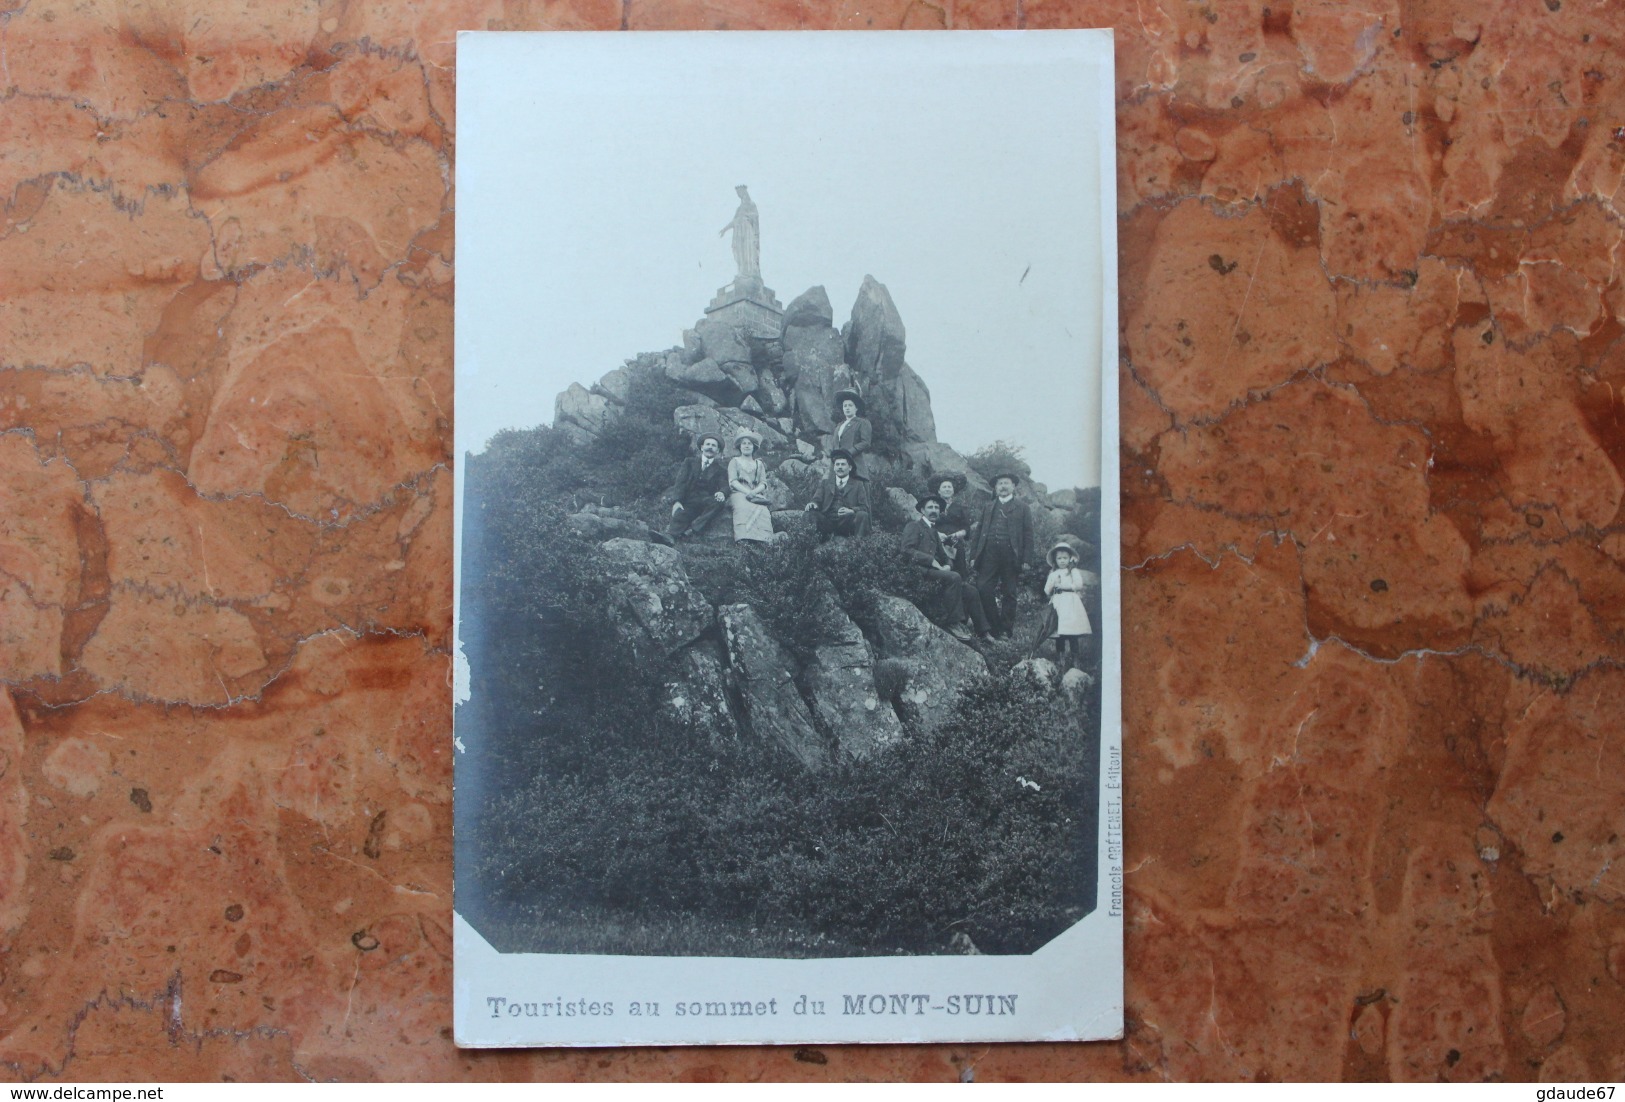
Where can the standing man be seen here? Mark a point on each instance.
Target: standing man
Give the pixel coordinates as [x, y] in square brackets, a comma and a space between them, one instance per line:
[841, 506]
[925, 548]
[702, 488]
[1003, 544]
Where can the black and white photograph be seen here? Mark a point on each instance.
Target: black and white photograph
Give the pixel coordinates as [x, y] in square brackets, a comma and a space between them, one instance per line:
[787, 668]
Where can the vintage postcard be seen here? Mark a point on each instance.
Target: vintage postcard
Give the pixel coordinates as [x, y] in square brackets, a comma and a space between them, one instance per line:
[787, 606]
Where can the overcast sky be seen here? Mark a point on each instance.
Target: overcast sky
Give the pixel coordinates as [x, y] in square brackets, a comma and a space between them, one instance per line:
[962, 171]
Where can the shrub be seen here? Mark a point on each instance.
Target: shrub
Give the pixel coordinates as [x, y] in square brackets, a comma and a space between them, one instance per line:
[861, 570]
[891, 678]
[787, 585]
[998, 458]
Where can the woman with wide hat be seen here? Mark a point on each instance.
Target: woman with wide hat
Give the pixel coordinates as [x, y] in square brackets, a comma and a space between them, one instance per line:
[747, 481]
[956, 523]
[853, 432]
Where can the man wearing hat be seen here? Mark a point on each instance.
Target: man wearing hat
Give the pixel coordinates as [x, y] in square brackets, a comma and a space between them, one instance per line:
[702, 487]
[1003, 543]
[925, 548]
[841, 506]
[853, 432]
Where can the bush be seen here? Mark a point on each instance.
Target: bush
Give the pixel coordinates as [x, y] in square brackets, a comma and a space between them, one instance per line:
[1000, 457]
[861, 570]
[891, 678]
[787, 586]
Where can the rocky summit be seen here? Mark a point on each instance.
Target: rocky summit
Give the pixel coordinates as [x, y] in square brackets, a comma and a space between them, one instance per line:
[832, 679]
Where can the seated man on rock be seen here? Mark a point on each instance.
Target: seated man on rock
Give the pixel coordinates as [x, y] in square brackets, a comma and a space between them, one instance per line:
[924, 548]
[841, 506]
[702, 488]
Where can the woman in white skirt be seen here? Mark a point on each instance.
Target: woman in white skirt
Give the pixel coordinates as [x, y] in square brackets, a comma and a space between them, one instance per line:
[747, 481]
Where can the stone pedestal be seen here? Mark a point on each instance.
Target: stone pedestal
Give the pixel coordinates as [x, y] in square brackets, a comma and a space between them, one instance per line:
[750, 305]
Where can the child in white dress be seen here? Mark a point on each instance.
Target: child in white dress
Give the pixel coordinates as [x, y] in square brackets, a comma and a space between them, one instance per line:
[1064, 587]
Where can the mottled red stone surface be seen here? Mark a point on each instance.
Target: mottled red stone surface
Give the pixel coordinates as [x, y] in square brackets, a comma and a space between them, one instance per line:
[1373, 427]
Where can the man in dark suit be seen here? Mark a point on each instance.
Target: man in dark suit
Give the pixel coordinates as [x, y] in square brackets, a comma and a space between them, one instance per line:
[841, 506]
[1004, 543]
[923, 548]
[702, 488]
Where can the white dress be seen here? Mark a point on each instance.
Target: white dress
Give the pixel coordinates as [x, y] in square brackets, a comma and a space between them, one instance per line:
[1065, 589]
[752, 521]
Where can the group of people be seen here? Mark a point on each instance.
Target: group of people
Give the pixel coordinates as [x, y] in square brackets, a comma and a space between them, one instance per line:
[705, 484]
[979, 558]
[980, 561]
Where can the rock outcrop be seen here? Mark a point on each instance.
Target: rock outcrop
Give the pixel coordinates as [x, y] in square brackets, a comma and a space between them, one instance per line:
[582, 410]
[766, 680]
[726, 422]
[655, 607]
[936, 663]
[705, 376]
[839, 681]
[874, 336]
[749, 364]
[911, 402]
[697, 697]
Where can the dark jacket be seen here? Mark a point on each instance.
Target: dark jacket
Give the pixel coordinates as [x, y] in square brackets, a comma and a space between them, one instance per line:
[1021, 530]
[957, 518]
[921, 546]
[854, 437]
[695, 486]
[854, 497]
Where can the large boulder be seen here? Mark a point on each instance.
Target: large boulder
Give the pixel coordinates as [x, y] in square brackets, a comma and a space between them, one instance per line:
[874, 335]
[771, 395]
[904, 500]
[1064, 499]
[726, 422]
[616, 385]
[778, 494]
[911, 406]
[839, 681]
[653, 605]
[696, 697]
[722, 342]
[765, 676]
[935, 460]
[1077, 685]
[707, 377]
[810, 308]
[936, 663]
[815, 372]
[579, 407]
